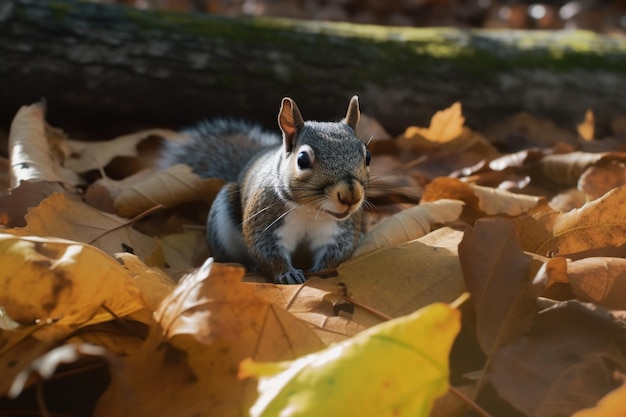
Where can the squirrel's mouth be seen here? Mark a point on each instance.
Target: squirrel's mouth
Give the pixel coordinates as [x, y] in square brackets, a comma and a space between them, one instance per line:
[339, 216]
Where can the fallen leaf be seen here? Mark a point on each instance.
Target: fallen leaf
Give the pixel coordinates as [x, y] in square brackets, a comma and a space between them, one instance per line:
[66, 281]
[586, 129]
[598, 223]
[600, 179]
[68, 218]
[206, 326]
[482, 201]
[15, 205]
[498, 275]
[612, 404]
[398, 280]
[176, 185]
[570, 359]
[409, 224]
[31, 156]
[318, 302]
[87, 156]
[407, 369]
[598, 280]
[445, 125]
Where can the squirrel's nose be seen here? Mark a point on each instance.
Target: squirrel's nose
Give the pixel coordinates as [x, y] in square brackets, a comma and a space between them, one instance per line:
[351, 194]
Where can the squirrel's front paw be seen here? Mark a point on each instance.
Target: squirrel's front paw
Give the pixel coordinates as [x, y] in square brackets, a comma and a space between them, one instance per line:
[295, 276]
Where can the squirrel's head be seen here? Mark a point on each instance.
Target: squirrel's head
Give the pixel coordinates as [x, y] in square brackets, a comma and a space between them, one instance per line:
[327, 164]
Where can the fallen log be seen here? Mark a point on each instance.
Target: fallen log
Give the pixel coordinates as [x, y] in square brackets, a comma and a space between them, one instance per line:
[100, 64]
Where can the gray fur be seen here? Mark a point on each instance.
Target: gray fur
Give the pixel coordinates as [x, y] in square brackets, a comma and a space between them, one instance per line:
[219, 148]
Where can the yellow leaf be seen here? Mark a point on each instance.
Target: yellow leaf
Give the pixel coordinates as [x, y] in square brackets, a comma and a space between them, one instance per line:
[586, 128]
[56, 279]
[67, 218]
[410, 224]
[612, 405]
[445, 125]
[396, 368]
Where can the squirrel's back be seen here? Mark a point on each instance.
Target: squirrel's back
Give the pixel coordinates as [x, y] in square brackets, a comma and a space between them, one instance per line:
[218, 148]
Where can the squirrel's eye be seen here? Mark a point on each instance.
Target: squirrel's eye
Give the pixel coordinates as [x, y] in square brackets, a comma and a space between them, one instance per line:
[303, 160]
[368, 157]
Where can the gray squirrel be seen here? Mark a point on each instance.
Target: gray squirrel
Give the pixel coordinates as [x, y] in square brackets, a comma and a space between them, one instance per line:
[291, 201]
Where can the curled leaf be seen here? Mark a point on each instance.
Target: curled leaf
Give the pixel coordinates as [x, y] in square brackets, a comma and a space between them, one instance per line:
[410, 224]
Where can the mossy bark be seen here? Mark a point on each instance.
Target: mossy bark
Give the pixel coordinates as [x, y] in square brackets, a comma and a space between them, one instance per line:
[102, 63]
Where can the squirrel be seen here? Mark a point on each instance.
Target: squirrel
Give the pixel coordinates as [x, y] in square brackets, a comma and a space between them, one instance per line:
[286, 199]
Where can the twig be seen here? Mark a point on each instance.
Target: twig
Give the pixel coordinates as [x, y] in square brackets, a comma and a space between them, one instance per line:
[367, 308]
[469, 402]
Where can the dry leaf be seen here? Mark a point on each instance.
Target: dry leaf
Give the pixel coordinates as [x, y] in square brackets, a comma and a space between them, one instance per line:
[481, 201]
[31, 156]
[407, 369]
[207, 325]
[586, 129]
[176, 185]
[318, 302]
[154, 285]
[445, 125]
[409, 224]
[599, 223]
[62, 280]
[67, 218]
[566, 169]
[398, 280]
[611, 405]
[498, 275]
[570, 359]
[87, 156]
[598, 280]
[600, 179]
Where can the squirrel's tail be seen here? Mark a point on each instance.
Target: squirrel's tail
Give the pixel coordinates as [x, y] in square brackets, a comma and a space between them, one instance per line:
[218, 148]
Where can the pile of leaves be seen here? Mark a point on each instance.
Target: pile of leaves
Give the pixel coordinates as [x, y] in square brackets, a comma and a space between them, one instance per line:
[490, 278]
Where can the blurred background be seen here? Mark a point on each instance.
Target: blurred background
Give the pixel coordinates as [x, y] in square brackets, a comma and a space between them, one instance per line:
[604, 16]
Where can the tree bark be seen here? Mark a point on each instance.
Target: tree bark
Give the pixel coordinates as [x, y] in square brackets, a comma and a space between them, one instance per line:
[104, 66]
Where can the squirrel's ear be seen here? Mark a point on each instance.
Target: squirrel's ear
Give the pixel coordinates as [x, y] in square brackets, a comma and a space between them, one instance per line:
[353, 115]
[290, 121]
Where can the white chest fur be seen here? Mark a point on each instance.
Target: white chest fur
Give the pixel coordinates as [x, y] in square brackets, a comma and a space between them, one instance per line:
[303, 225]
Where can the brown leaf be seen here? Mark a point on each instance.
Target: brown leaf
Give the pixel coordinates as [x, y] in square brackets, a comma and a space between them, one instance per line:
[398, 280]
[176, 185]
[598, 280]
[571, 358]
[482, 201]
[318, 302]
[207, 325]
[498, 275]
[60, 216]
[14, 206]
[599, 223]
[600, 179]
